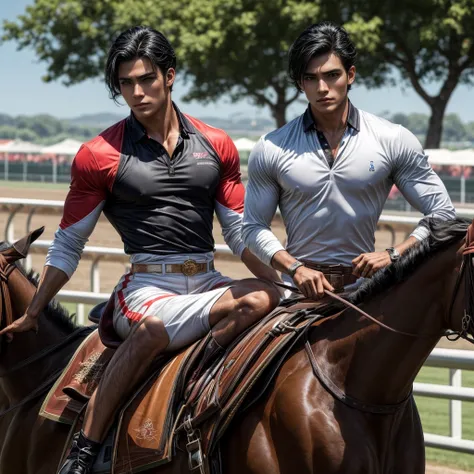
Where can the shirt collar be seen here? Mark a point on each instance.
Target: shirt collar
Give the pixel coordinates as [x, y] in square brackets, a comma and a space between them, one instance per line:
[353, 119]
[137, 130]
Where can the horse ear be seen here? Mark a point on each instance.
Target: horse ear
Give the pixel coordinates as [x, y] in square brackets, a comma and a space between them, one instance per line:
[20, 248]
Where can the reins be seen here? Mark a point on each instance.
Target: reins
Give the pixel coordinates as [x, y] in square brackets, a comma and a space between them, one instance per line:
[48, 350]
[366, 315]
[6, 309]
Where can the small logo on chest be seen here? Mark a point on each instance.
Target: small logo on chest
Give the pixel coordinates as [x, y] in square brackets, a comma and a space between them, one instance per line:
[200, 155]
[371, 167]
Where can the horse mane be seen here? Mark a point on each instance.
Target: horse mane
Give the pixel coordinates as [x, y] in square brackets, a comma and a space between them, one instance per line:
[54, 311]
[442, 234]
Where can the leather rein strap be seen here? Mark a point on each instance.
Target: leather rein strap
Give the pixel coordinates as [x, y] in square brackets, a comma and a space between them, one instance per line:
[5, 300]
[363, 313]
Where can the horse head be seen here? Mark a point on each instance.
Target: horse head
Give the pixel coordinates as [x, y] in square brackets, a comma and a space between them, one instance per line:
[17, 284]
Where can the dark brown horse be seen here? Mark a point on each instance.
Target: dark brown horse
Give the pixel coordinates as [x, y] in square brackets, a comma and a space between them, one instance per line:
[341, 403]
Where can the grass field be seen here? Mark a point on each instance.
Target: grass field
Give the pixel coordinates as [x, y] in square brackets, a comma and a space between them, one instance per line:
[435, 417]
[37, 185]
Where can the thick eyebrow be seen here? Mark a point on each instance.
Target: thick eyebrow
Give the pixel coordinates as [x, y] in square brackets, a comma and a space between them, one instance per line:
[310, 74]
[140, 78]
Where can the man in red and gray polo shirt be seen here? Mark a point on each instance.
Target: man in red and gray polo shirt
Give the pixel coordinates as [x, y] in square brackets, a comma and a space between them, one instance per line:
[158, 176]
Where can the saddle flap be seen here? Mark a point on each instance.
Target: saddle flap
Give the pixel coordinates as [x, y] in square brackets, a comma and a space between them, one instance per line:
[78, 381]
[146, 424]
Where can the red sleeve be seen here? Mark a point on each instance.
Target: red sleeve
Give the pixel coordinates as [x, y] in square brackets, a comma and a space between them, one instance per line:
[231, 191]
[93, 173]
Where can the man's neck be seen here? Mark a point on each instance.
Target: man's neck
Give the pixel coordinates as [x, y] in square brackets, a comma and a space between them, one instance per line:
[332, 122]
[163, 124]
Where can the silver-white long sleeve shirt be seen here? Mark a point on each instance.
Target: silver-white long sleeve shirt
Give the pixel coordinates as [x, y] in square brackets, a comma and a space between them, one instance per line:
[331, 212]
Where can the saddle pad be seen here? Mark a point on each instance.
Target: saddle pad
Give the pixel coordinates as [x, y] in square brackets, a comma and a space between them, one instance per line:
[78, 381]
[146, 424]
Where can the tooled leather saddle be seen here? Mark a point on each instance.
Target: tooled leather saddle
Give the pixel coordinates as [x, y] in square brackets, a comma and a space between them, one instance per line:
[162, 414]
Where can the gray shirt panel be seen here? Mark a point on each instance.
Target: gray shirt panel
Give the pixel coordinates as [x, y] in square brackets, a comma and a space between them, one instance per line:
[331, 214]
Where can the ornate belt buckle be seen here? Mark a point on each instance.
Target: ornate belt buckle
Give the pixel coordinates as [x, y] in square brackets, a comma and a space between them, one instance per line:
[189, 268]
[337, 281]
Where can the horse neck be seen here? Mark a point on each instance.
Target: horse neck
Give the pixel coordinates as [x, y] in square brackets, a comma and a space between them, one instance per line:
[375, 365]
[22, 291]
[24, 345]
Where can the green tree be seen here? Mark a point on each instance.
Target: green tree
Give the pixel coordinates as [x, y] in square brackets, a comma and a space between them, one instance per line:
[453, 129]
[233, 47]
[27, 135]
[469, 127]
[239, 47]
[426, 41]
[7, 131]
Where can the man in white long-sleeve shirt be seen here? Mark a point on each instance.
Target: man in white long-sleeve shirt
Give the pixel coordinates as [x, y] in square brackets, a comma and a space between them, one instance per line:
[330, 171]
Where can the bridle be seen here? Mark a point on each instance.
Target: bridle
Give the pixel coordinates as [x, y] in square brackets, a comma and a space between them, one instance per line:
[467, 268]
[6, 318]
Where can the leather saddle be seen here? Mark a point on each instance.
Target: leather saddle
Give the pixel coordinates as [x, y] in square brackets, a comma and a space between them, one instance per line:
[163, 417]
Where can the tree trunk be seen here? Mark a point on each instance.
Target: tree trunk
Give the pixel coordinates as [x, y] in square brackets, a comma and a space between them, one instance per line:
[435, 126]
[279, 109]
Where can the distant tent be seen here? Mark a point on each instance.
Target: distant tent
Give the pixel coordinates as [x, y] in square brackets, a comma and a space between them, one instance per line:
[440, 156]
[244, 144]
[66, 147]
[20, 147]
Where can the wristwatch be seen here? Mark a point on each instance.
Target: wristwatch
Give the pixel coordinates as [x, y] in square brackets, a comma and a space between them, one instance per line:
[394, 254]
[293, 267]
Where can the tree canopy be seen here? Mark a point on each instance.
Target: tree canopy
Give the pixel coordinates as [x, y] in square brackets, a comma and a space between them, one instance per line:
[238, 48]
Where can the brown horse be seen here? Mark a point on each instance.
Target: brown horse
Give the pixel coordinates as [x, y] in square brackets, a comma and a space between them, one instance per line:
[341, 403]
[28, 368]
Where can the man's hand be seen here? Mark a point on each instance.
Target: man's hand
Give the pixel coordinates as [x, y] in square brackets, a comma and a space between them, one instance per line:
[366, 264]
[311, 282]
[23, 324]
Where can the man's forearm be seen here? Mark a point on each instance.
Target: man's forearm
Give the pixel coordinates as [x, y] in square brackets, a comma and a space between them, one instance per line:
[282, 261]
[258, 268]
[52, 280]
[406, 244]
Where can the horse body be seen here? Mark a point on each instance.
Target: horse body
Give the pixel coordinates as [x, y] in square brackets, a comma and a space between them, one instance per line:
[303, 428]
[301, 425]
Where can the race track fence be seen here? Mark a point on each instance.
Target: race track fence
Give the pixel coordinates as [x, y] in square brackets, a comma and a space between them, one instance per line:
[454, 360]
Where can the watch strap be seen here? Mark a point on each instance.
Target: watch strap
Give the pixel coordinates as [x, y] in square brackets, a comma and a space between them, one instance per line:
[293, 267]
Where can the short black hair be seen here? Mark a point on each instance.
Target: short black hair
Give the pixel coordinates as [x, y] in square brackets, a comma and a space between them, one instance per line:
[318, 39]
[134, 43]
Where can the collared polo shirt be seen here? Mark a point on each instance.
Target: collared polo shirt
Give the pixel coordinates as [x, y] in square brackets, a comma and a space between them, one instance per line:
[159, 204]
[331, 212]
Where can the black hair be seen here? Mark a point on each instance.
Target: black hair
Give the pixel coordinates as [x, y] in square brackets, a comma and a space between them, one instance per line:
[138, 42]
[318, 39]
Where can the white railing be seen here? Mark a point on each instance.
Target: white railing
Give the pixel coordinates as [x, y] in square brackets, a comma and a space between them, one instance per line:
[454, 360]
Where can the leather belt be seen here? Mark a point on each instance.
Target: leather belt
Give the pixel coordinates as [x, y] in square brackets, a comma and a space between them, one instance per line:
[187, 268]
[338, 275]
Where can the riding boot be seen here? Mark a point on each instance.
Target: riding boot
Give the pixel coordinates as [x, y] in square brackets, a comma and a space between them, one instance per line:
[212, 351]
[82, 455]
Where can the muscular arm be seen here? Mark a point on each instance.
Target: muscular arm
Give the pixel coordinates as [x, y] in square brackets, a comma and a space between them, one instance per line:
[261, 201]
[418, 183]
[421, 187]
[229, 209]
[82, 209]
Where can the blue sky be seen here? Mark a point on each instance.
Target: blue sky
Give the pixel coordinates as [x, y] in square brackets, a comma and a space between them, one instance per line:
[23, 92]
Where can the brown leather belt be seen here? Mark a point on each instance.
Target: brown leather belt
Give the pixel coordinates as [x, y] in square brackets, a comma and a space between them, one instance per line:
[187, 268]
[338, 275]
